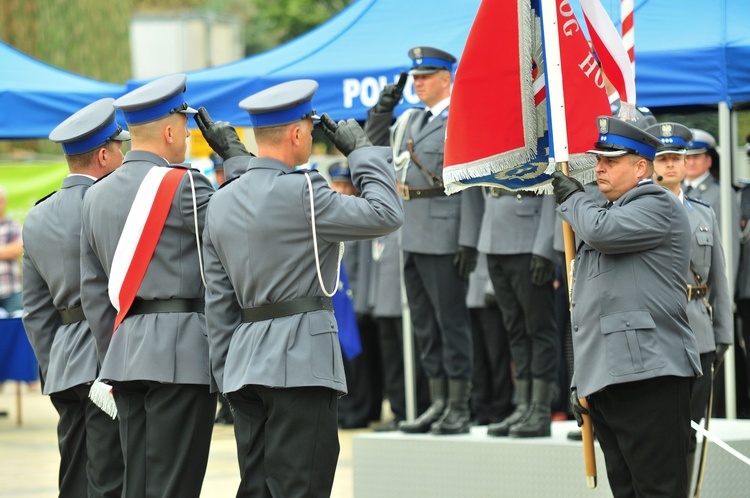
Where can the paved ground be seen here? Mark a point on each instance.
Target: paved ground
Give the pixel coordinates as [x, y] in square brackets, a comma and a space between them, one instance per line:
[29, 458]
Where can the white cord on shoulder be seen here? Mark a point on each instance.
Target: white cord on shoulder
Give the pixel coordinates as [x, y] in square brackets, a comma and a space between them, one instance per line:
[315, 246]
[197, 234]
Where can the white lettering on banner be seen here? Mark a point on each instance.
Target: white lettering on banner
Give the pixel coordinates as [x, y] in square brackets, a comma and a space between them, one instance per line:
[588, 66]
[571, 25]
[367, 90]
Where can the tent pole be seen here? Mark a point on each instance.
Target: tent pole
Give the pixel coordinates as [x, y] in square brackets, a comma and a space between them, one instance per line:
[726, 190]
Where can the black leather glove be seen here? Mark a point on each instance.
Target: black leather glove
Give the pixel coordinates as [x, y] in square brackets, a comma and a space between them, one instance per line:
[577, 407]
[391, 94]
[347, 136]
[221, 136]
[564, 186]
[721, 350]
[541, 269]
[465, 260]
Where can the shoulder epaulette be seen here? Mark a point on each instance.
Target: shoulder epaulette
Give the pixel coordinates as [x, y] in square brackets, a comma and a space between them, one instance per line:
[102, 177]
[228, 182]
[698, 201]
[45, 198]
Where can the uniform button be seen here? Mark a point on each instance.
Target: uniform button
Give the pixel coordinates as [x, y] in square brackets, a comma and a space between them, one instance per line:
[333, 326]
[572, 304]
[575, 327]
[563, 208]
[389, 159]
[627, 324]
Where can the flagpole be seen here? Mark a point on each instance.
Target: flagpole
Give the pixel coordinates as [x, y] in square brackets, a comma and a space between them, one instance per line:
[559, 150]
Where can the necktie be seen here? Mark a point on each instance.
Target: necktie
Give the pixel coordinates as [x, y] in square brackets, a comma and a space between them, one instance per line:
[608, 205]
[688, 189]
[425, 117]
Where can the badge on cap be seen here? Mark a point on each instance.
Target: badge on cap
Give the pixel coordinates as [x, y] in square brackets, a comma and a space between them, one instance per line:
[603, 125]
[666, 130]
[418, 54]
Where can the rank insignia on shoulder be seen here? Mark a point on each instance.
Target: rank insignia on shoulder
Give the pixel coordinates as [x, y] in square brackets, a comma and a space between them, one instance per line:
[45, 198]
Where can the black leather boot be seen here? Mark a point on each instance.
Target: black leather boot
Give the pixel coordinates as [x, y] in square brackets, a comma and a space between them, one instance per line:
[438, 394]
[456, 419]
[519, 414]
[539, 421]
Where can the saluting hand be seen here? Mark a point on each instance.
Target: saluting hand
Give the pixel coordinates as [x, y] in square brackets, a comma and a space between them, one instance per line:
[347, 136]
[221, 136]
[391, 94]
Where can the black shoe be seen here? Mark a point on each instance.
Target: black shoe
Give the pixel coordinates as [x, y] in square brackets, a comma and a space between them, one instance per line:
[390, 426]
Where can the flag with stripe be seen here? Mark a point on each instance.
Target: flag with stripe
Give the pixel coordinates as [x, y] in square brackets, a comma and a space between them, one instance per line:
[498, 133]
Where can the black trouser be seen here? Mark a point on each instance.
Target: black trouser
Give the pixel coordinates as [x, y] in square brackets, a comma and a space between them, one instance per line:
[364, 379]
[643, 429]
[166, 434]
[492, 383]
[699, 396]
[442, 328]
[91, 462]
[287, 441]
[528, 313]
[390, 330]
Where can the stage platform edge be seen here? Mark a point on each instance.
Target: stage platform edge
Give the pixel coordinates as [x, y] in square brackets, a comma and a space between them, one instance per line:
[401, 465]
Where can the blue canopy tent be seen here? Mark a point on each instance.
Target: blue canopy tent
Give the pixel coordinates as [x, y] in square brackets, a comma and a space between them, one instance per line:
[36, 97]
[363, 47]
[351, 56]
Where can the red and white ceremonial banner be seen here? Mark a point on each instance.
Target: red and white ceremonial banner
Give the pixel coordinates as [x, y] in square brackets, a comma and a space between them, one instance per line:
[613, 55]
[497, 132]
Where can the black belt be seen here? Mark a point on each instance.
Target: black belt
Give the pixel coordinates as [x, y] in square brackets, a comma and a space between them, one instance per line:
[147, 306]
[293, 307]
[499, 192]
[408, 193]
[72, 315]
[697, 292]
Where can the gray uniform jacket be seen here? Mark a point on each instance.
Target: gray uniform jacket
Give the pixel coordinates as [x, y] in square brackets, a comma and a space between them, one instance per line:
[52, 282]
[258, 248]
[435, 225]
[707, 257]
[162, 347]
[629, 295]
[709, 192]
[385, 280]
[518, 224]
[358, 264]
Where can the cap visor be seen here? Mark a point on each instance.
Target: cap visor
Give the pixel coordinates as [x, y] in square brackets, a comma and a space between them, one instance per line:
[424, 70]
[607, 152]
[189, 110]
[692, 152]
[679, 152]
[123, 136]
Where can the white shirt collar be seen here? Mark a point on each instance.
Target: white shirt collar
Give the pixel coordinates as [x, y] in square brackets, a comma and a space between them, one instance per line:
[697, 181]
[439, 107]
[81, 174]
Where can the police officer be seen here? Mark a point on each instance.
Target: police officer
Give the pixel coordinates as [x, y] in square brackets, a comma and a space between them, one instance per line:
[439, 239]
[364, 378]
[273, 246]
[157, 358]
[635, 355]
[700, 184]
[91, 461]
[709, 306]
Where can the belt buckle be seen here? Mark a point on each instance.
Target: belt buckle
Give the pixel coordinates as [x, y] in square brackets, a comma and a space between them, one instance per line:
[405, 192]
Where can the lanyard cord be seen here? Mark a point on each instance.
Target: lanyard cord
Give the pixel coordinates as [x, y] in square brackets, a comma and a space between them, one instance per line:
[315, 246]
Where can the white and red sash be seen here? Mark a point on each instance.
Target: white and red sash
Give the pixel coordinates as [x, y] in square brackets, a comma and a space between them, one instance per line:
[140, 235]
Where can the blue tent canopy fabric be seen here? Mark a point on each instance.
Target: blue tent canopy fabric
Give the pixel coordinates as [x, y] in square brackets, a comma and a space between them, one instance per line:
[693, 53]
[687, 53]
[36, 97]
